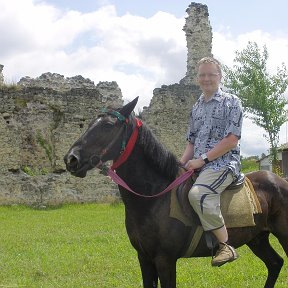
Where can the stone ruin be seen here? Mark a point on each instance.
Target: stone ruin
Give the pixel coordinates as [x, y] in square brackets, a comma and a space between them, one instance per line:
[198, 33]
[57, 82]
[41, 117]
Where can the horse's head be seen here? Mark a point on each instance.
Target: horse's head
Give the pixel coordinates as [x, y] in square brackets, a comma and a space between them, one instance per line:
[102, 141]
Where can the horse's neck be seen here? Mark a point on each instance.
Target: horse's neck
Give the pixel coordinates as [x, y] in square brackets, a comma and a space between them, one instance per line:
[140, 176]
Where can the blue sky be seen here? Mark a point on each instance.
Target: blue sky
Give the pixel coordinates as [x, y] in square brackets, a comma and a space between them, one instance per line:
[138, 44]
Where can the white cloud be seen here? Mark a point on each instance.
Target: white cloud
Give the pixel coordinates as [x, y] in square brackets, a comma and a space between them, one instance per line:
[138, 53]
[253, 141]
[225, 46]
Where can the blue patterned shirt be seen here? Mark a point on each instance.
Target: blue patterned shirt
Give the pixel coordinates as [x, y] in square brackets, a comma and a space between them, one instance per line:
[212, 121]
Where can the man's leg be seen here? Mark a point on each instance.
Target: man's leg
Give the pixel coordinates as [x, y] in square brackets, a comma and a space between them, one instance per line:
[205, 199]
[221, 234]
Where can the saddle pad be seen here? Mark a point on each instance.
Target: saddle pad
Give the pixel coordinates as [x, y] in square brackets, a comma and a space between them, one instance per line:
[237, 206]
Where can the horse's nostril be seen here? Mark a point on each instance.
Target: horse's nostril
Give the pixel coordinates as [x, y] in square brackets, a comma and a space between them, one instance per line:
[72, 162]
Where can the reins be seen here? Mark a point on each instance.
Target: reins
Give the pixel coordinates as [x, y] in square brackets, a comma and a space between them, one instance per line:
[125, 155]
[174, 184]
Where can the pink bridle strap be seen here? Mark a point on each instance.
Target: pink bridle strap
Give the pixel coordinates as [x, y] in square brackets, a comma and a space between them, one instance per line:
[174, 184]
[130, 146]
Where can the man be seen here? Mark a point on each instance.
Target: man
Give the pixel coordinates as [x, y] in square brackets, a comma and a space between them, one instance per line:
[214, 151]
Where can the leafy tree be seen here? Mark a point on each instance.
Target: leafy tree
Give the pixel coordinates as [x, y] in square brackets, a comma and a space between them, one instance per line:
[262, 95]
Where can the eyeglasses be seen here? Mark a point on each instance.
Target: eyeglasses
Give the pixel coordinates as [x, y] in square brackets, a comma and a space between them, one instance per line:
[208, 75]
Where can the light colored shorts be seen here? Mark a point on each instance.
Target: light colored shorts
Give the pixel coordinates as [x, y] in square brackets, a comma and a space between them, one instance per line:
[204, 196]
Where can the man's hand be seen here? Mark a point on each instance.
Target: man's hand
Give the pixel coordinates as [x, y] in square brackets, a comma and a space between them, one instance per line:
[195, 164]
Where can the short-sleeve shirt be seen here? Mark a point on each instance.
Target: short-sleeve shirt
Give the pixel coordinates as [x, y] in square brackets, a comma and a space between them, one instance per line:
[212, 121]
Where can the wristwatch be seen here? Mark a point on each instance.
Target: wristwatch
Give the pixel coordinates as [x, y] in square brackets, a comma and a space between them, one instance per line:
[205, 158]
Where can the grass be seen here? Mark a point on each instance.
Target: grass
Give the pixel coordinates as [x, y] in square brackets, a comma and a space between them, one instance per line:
[87, 246]
[249, 164]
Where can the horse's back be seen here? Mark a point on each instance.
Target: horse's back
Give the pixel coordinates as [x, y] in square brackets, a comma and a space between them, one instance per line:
[272, 192]
[268, 182]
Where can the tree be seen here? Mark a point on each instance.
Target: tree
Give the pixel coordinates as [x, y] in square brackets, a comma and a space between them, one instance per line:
[262, 95]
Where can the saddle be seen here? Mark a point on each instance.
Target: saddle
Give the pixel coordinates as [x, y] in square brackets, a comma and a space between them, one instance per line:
[239, 203]
[238, 183]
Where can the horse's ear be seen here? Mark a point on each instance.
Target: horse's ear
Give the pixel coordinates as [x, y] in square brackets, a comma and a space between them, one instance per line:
[128, 108]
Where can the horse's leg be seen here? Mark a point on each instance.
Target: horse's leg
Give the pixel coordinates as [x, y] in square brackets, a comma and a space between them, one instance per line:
[262, 248]
[280, 229]
[166, 268]
[149, 272]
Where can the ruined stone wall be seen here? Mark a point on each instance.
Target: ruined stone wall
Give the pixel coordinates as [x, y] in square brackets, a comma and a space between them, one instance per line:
[40, 122]
[37, 126]
[40, 118]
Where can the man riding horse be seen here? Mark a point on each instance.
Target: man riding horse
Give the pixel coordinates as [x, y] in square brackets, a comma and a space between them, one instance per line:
[213, 150]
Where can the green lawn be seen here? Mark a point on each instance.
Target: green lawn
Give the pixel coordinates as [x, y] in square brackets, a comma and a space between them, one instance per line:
[87, 246]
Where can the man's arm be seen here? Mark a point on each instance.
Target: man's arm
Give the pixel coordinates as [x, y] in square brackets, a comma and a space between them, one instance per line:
[224, 146]
[188, 153]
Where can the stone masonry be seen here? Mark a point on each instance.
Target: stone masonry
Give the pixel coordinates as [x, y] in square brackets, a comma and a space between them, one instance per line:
[40, 118]
[37, 127]
[198, 33]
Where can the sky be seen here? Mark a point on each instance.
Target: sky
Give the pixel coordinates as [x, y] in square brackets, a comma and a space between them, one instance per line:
[138, 44]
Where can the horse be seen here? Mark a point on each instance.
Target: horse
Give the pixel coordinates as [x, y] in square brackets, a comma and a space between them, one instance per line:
[148, 167]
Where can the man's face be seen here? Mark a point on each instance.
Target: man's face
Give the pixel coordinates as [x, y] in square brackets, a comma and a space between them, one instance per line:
[209, 78]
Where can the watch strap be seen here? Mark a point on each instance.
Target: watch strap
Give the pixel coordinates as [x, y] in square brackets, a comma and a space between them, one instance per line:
[205, 158]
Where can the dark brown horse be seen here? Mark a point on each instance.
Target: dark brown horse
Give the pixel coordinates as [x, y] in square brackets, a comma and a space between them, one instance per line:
[159, 239]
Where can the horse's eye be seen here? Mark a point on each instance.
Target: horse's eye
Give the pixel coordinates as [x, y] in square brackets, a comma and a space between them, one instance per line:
[108, 125]
[98, 119]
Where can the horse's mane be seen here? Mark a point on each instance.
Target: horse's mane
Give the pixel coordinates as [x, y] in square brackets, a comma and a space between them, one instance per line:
[158, 155]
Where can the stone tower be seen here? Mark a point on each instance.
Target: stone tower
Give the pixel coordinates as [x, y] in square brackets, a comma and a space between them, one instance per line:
[1, 74]
[199, 38]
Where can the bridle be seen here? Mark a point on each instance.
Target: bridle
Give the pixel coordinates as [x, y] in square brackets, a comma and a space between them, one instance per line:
[125, 149]
[96, 160]
[125, 153]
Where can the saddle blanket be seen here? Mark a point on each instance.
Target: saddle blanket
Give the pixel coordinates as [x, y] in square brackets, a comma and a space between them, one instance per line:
[237, 206]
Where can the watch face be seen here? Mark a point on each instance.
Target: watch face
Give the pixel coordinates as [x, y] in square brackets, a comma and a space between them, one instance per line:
[205, 158]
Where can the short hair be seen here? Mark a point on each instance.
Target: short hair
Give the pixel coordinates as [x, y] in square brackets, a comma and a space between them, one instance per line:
[212, 60]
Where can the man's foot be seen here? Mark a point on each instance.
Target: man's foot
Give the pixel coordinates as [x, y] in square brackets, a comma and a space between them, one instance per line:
[225, 254]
